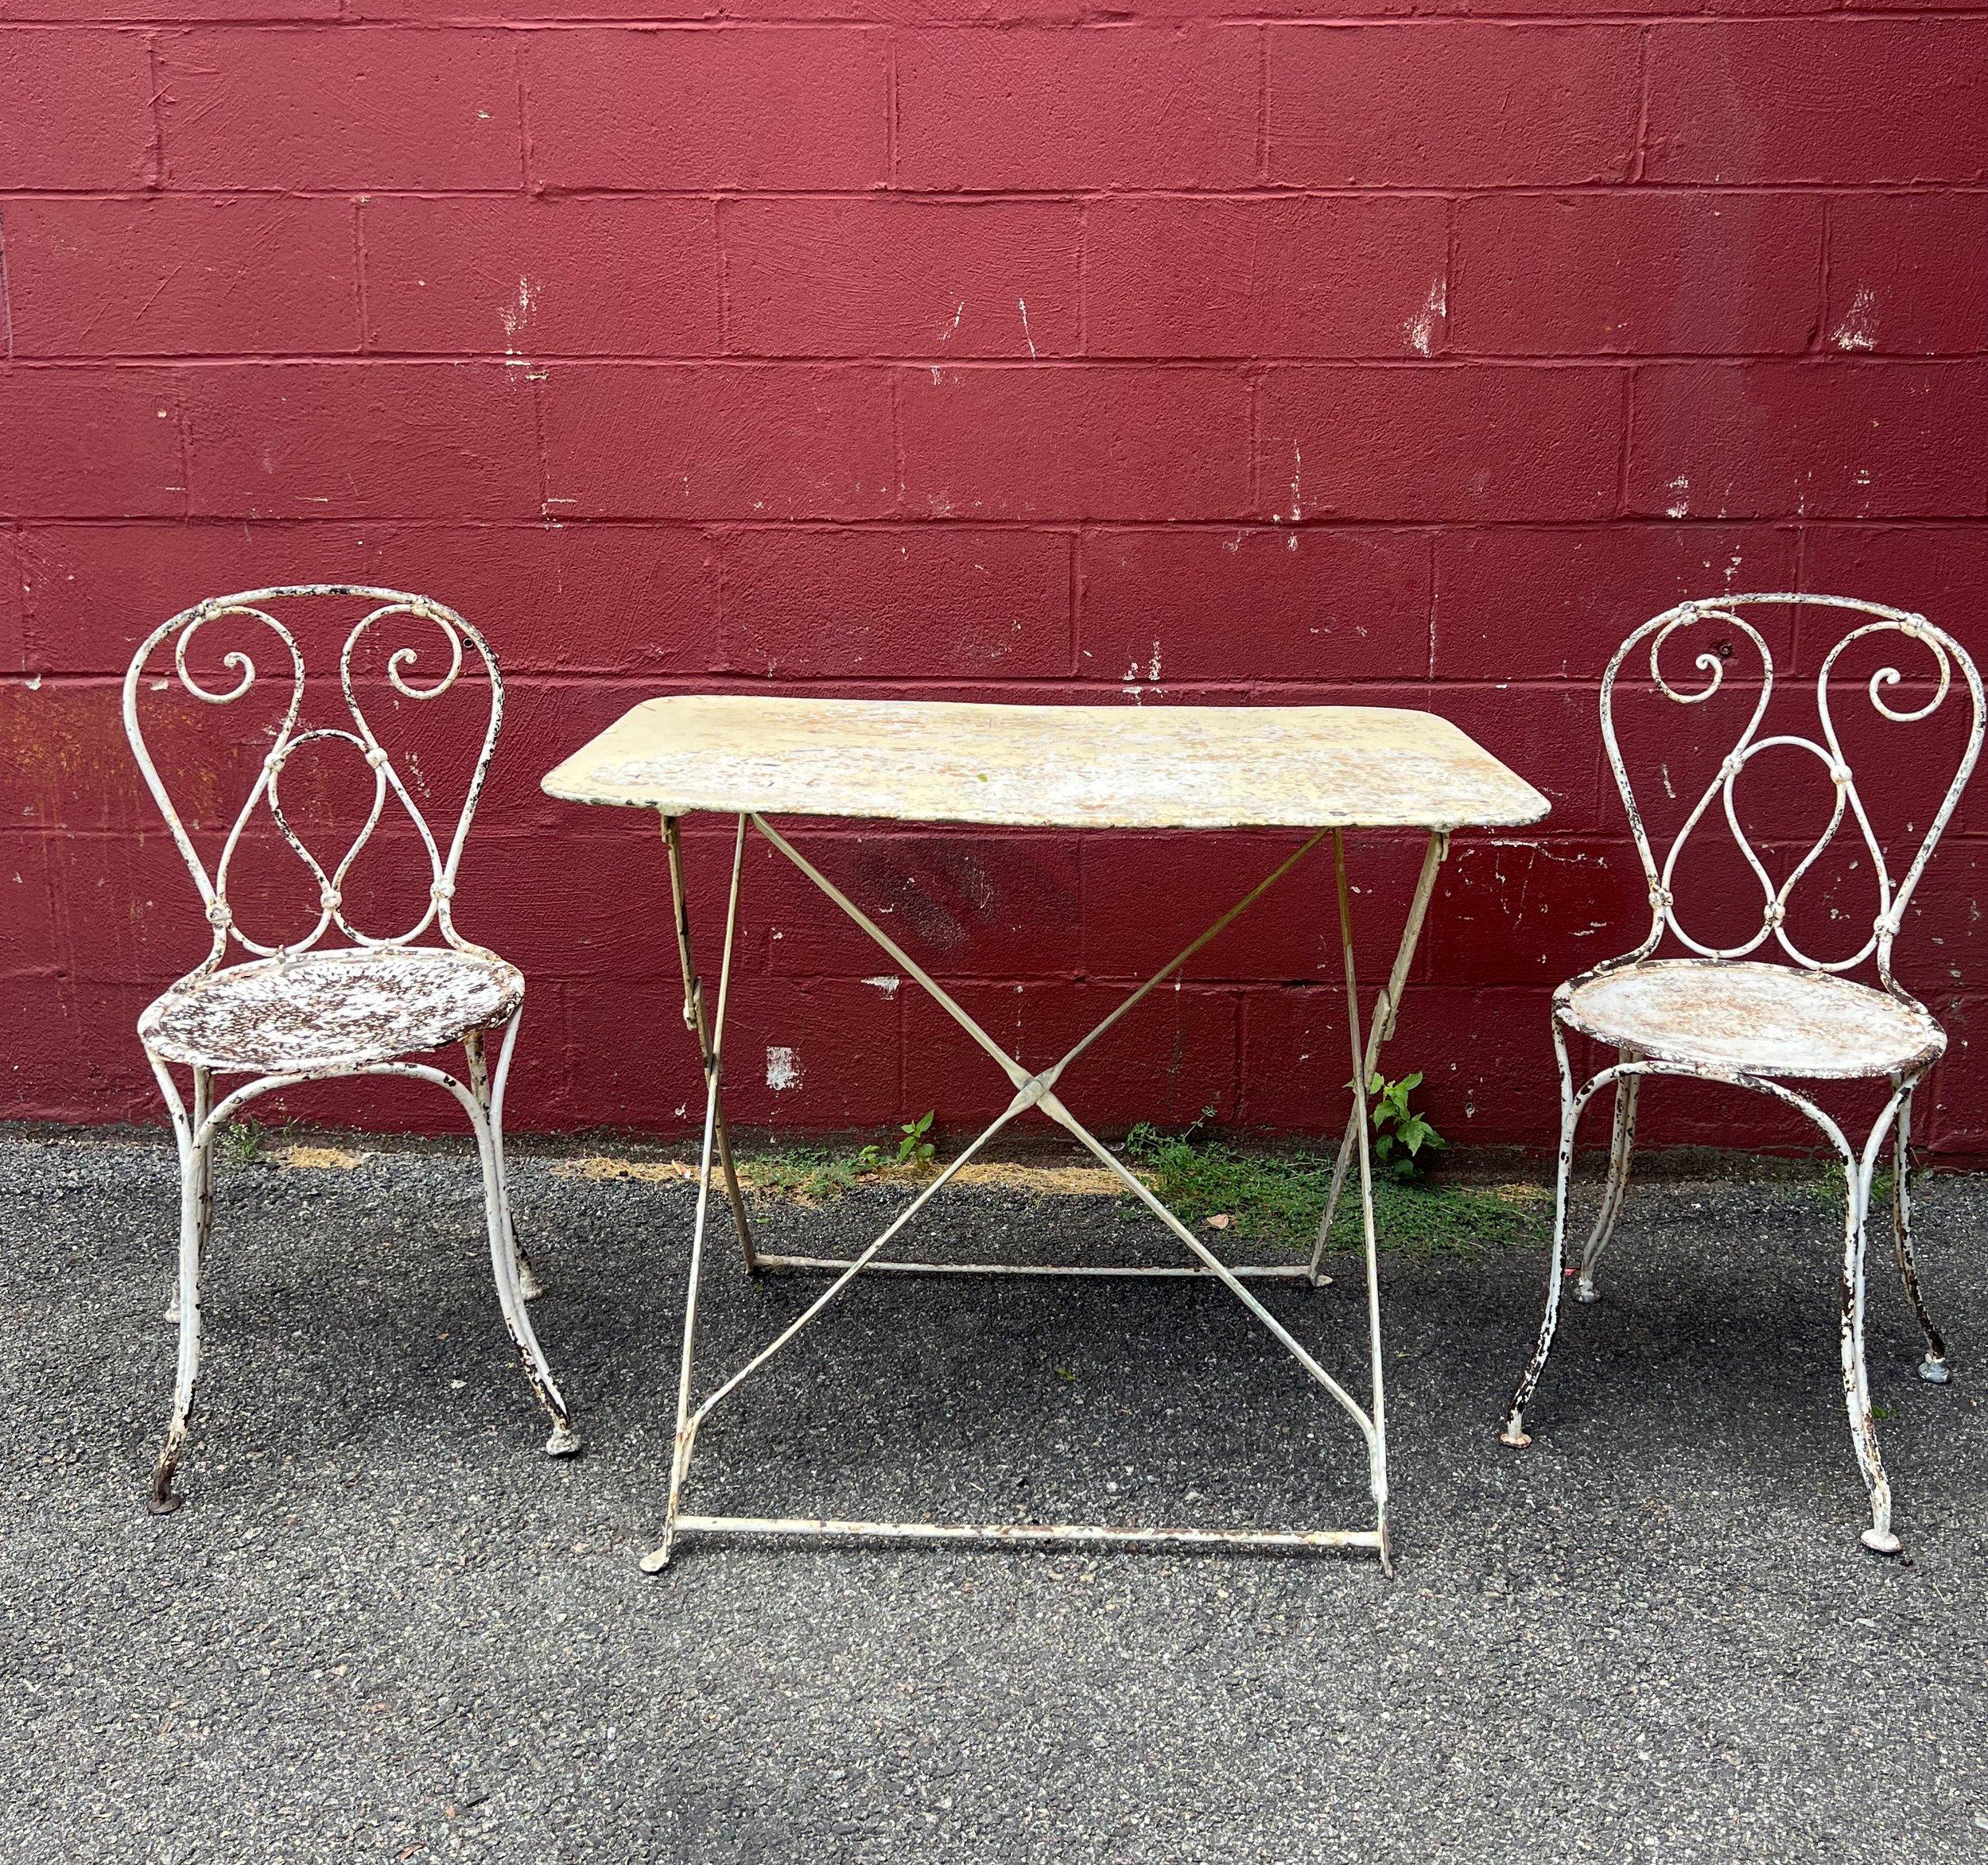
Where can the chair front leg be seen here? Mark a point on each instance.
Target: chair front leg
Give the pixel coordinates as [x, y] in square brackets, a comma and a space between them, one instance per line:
[203, 1106]
[475, 1046]
[1863, 1426]
[1515, 1433]
[195, 1151]
[488, 1115]
[1933, 1368]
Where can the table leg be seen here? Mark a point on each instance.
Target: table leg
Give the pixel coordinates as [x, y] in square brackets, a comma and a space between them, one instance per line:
[1380, 1029]
[1037, 1089]
[693, 1014]
[710, 1046]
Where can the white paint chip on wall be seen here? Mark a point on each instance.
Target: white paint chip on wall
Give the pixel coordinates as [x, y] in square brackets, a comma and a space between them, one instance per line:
[783, 1068]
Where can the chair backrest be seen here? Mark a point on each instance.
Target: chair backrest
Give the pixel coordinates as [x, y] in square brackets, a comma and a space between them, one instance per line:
[404, 675]
[1943, 654]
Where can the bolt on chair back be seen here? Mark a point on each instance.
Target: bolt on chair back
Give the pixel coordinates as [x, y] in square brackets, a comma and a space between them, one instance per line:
[337, 1001]
[1721, 1014]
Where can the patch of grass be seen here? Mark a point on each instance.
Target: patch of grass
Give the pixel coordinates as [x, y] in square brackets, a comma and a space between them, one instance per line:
[813, 1175]
[1279, 1199]
[807, 1175]
[1828, 1188]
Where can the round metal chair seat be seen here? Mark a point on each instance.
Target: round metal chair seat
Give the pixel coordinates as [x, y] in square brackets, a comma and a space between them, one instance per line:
[331, 1010]
[1761, 1019]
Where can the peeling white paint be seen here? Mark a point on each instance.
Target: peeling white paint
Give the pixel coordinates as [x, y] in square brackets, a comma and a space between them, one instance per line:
[1858, 330]
[1021, 305]
[1423, 327]
[1680, 504]
[888, 983]
[783, 1068]
[1297, 473]
[517, 316]
[945, 336]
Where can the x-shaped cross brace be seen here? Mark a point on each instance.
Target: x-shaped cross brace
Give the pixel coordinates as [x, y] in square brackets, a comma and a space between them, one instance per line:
[1033, 1090]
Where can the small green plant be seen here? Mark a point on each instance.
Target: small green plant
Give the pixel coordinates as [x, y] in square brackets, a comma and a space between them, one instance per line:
[240, 1143]
[1400, 1135]
[913, 1147]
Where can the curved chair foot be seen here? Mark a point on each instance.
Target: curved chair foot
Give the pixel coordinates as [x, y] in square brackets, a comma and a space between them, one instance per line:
[529, 1286]
[1935, 1371]
[1515, 1434]
[166, 1502]
[563, 1442]
[1584, 1291]
[658, 1559]
[1881, 1541]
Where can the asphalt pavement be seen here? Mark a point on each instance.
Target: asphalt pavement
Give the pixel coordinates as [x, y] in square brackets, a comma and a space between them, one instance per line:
[385, 1627]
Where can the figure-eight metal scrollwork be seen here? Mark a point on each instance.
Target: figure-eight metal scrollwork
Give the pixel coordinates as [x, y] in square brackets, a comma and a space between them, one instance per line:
[1855, 1030]
[307, 1008]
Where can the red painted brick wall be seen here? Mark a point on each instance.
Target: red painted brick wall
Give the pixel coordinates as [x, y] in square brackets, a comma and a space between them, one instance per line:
[1409, 351]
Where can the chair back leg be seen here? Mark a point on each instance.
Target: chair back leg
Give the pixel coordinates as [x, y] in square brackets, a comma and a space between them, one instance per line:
[1615, 1193]
[1933, 1368]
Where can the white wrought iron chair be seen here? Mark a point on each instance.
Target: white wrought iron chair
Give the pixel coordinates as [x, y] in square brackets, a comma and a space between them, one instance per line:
[1718, 1015]
[300, 1010]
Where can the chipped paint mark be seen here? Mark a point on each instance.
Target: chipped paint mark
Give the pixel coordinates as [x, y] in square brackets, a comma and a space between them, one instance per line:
[517, 316]
[1680, 504]
[7, 301]
[1152, 666]
[783, 1068]
[946, 336]
[1022, 305]
[887, 982]
[1858, 330]
[1422, 328]
[1297, 474]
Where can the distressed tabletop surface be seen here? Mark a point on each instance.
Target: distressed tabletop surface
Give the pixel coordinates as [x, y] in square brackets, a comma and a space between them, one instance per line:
[1060, 767]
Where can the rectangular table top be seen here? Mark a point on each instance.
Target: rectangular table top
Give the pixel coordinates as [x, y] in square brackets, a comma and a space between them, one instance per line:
[1062, 766]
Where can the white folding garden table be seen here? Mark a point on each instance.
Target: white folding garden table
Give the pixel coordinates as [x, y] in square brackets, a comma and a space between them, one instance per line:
[1322, 770]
